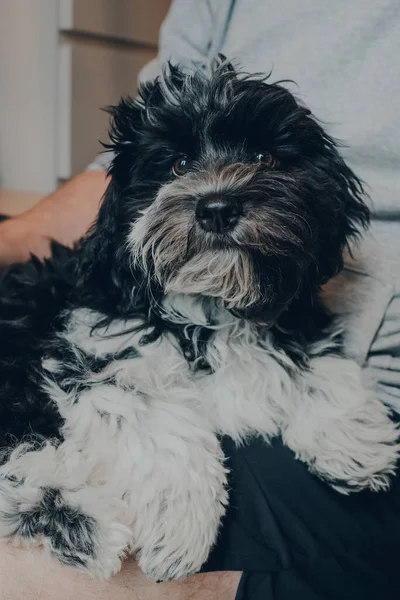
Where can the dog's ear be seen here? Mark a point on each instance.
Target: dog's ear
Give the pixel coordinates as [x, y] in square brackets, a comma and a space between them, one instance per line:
[104, 238]
[126, 120]
[104, 265]
[346, 211]
[104, 269]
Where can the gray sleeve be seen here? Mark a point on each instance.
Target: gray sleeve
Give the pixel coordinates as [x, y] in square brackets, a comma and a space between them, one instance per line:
[365, 296]
[384, 354]
[187, 33]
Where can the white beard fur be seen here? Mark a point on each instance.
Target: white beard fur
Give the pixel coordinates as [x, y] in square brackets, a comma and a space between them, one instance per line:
[141, 455]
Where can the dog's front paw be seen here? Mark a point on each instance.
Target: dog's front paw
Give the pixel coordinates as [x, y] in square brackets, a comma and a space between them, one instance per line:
[179, 544]
[53, 518]
[352, 460]
[87, 545]
[163, 563]
[175, 532]
[81, 529]
[343, 431]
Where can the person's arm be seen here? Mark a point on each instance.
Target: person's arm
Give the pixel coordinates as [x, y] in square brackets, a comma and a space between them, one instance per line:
[33, 575]
[65, 215]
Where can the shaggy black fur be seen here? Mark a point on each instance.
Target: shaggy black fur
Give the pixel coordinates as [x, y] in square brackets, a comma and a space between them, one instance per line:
[32, 297]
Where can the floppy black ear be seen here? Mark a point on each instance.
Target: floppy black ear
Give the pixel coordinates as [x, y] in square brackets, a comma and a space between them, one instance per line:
[126, 119]
[104, 267]
[103, 270]
[345, 213]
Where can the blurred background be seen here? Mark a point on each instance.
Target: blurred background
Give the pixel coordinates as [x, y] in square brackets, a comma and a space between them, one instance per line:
[60, 62]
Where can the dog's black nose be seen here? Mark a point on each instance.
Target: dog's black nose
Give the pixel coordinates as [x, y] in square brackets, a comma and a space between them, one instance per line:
[217, 215]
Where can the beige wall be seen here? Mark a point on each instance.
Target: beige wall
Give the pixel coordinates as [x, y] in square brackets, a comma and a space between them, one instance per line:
[28, 69]
[60, 62]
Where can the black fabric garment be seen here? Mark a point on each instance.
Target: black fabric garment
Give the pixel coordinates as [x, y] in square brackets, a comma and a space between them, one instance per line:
[297, 539]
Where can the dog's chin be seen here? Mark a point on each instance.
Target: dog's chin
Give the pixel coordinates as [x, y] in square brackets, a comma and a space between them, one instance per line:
[249, 283]
[225, 275]
[231, 280]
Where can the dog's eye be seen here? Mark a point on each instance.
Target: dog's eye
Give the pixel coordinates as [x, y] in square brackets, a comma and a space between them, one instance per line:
[180, 166]
[267, 159]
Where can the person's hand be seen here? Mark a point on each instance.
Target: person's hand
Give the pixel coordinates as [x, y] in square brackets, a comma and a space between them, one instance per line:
[32, 575]
[63, 216]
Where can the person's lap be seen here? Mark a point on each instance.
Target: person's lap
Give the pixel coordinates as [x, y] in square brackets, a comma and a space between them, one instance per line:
[30, 574]
[295, 537]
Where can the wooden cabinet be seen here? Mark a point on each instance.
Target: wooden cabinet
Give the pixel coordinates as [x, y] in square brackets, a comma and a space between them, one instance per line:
[133, 20]
[103, 46]
[92, 76]
[61, 61]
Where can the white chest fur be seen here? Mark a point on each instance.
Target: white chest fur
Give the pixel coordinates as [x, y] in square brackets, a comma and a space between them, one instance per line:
[247, 390]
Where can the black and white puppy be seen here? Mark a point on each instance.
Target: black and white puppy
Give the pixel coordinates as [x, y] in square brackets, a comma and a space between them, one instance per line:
[190, 311]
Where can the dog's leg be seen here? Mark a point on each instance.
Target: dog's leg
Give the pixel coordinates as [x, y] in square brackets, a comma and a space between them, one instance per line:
[178, 491]
[155, 450]
[341, 429]
[158, 452]
[40, 502]
[152, 447]
[139, 467]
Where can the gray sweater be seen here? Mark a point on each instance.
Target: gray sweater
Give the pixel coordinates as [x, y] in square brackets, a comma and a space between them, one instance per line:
[344, 56]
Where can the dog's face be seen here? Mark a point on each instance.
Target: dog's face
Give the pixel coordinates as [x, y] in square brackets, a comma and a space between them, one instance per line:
[225, 186]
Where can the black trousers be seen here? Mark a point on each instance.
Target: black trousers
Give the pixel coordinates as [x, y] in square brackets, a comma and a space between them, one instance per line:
[297, 539]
